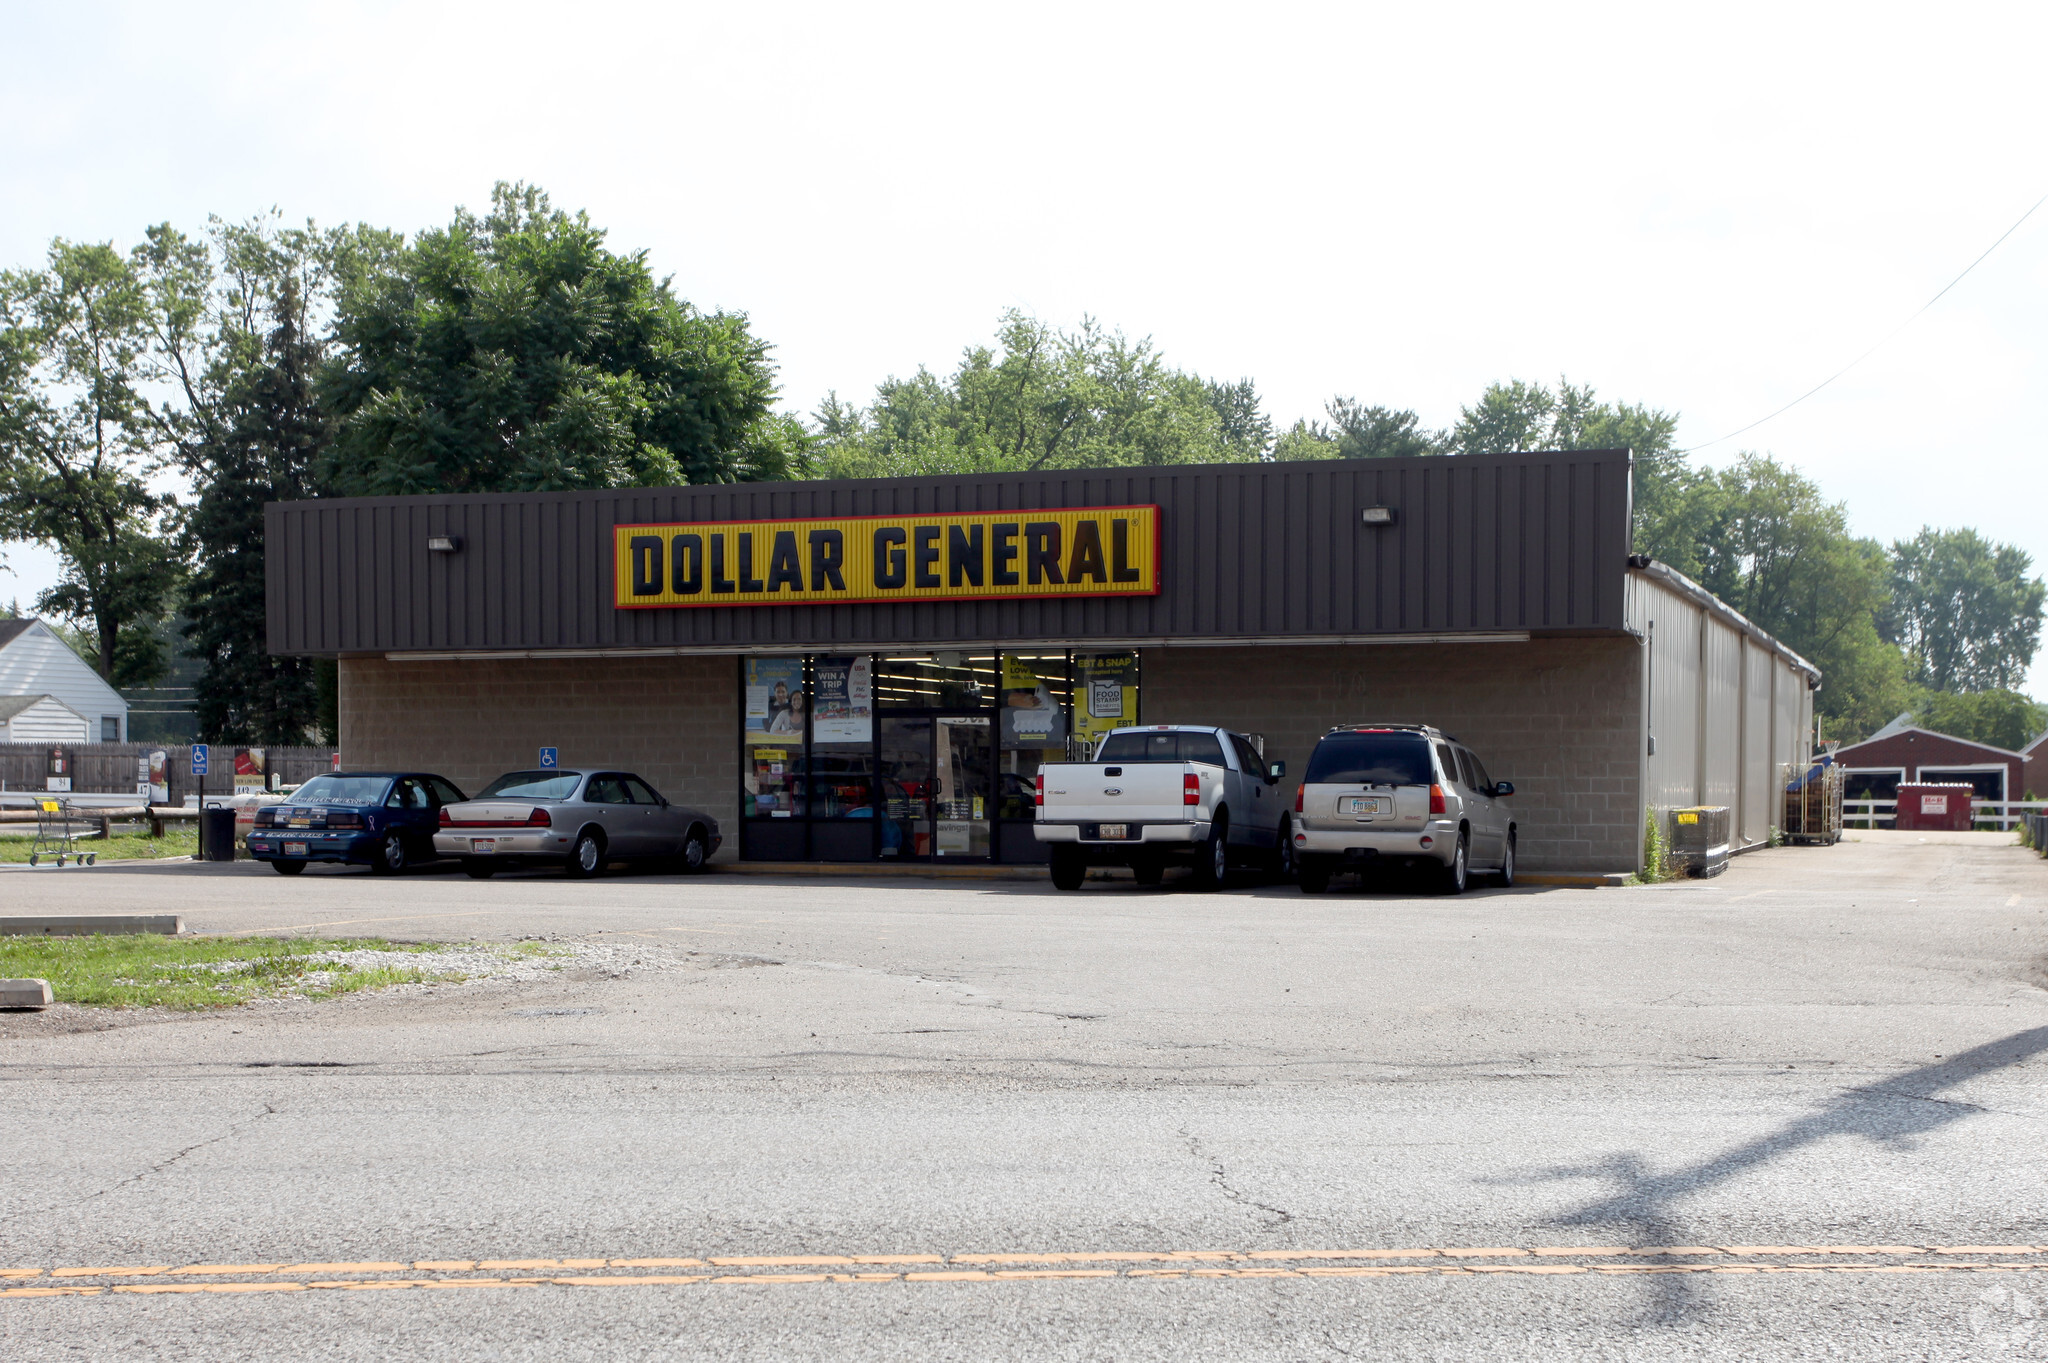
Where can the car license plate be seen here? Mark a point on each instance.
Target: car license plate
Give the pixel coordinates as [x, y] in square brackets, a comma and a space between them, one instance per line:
[295, 849]
[1360, 804]
[1113, 830]
[483, 844]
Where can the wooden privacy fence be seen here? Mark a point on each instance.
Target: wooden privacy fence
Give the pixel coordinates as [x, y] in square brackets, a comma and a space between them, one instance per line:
[112, 768]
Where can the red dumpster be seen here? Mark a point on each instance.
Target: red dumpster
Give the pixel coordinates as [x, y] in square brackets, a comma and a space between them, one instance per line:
[1932, 807]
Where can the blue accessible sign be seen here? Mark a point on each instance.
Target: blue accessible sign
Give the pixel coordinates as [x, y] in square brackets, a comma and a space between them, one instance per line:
[550, 758]
[199, 759]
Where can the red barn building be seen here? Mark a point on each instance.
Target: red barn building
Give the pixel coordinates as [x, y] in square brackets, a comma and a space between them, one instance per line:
[2036, 754]
[1900, 751]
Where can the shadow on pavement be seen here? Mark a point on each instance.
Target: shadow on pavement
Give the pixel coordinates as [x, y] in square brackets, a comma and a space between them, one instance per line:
[1894, 1110]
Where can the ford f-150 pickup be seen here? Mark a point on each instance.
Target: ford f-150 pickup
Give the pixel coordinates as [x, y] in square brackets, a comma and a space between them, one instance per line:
[1165, 793]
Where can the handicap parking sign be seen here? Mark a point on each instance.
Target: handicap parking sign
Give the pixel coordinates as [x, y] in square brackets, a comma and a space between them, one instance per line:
[199, 756]
[550, 758]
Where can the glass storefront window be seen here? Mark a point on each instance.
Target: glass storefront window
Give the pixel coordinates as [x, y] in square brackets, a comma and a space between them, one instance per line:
[1034, 717]
[935, 681]
[774, 719]
[842, 781]
[932, 749]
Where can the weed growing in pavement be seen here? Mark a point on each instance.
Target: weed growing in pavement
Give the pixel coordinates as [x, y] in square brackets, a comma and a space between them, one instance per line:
[148, 970]
[1656, 853]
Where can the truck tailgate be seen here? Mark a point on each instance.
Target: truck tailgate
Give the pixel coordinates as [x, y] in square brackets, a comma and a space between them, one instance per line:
[1138, 792]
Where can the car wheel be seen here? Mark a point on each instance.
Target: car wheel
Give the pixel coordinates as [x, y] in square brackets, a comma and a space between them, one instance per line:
[696, 855]
[1068, 868]
[1212, 865]
[1313, 876]
[1507, 864]
[287, 868]
[390, 855]
[1285, 864]
[1148, 871]
[586, 858]
[478, 870]
[1455, 875]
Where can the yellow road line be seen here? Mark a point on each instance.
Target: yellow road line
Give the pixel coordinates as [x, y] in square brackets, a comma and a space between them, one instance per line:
[1055, 1258]
[1002, 1275]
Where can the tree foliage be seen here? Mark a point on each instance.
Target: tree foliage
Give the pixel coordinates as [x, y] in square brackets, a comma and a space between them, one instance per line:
[1358, 431]
[255, 432]
[1964, 610]
[1765, 540]
[2001, 717]
[79, 443]
[1042, 398]
[516, 352]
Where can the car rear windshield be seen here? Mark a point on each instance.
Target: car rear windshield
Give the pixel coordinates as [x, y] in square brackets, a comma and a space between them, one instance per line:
[531, 785]
[342, 790]
[1370, 760]
[1158, 747]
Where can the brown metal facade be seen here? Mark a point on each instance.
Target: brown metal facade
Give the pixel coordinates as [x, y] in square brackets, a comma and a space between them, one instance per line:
[1533, 543]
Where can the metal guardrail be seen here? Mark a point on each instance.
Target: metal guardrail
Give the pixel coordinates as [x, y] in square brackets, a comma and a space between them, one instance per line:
[1998, 815]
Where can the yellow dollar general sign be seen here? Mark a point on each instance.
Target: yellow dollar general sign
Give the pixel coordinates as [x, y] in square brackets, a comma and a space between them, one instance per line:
[991, 555]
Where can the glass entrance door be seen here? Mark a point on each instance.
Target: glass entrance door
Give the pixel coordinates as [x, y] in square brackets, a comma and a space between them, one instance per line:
[935, 773]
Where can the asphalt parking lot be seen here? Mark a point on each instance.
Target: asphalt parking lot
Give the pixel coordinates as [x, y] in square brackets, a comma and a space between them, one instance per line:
[1769, 1115]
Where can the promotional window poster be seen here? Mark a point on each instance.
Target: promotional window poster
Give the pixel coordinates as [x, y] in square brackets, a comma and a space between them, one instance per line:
[1032, 715]
[844, 711]
[249, 769]
[1105, 693]
[775, 700]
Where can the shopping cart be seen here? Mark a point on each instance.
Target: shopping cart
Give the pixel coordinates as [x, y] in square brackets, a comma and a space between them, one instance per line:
[53, 834]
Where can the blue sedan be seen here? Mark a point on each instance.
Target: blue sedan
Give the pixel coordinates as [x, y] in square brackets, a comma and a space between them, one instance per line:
[382, 820]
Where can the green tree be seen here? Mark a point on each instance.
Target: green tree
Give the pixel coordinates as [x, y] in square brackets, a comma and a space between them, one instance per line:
[1964, 610]
[516, 352]
[2002, 718]
[1358, 431]
[259, 435]
[1529, 416]
[1775, 549]
[79, 445]
[1042, 398]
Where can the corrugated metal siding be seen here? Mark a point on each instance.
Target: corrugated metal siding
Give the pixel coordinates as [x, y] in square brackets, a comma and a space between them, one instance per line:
[1728, 713]
[1511, 542]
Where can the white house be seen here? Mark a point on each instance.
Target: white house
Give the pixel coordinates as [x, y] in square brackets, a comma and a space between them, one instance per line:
[34, 662]
[41, 719]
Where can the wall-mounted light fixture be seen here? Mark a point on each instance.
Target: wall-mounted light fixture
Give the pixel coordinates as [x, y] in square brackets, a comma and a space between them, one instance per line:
[444, 544]
[1379, 515]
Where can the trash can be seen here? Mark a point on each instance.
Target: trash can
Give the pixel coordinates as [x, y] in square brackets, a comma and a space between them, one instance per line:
[216, 834]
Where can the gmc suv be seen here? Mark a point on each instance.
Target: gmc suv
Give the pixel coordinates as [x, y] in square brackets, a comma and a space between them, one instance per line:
[1409, 795]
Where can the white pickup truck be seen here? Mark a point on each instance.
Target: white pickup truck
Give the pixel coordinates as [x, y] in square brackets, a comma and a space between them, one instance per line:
[1167, 792]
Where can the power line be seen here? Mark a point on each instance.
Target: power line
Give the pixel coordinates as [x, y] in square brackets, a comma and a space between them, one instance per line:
[1880, 345]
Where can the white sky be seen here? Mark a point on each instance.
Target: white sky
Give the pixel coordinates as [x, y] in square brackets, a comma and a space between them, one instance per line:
[1704, 208]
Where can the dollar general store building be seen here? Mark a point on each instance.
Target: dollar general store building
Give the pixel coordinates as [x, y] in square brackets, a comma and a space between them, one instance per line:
[869, 670]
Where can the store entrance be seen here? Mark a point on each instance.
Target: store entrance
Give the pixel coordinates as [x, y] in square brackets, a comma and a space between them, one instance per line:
[936, 777]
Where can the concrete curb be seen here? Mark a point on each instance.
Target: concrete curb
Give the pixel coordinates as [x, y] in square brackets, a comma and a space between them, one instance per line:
[25, 994]
[1583, 880]
[869, 869]
[86, 924]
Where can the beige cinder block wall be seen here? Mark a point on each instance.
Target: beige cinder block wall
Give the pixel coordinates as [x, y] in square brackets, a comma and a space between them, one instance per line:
[1561, 718]
[673, 720]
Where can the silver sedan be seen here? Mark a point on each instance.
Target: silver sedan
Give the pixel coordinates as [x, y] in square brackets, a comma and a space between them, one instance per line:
[582, 820]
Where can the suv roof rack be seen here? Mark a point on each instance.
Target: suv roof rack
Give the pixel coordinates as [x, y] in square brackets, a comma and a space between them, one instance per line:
[1372, 726]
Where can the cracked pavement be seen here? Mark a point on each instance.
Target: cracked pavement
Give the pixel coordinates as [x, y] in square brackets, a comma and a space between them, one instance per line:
[1823, 1046]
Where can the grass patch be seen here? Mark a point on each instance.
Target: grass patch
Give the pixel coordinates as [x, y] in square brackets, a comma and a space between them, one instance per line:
[176, 842]
[147, 970]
